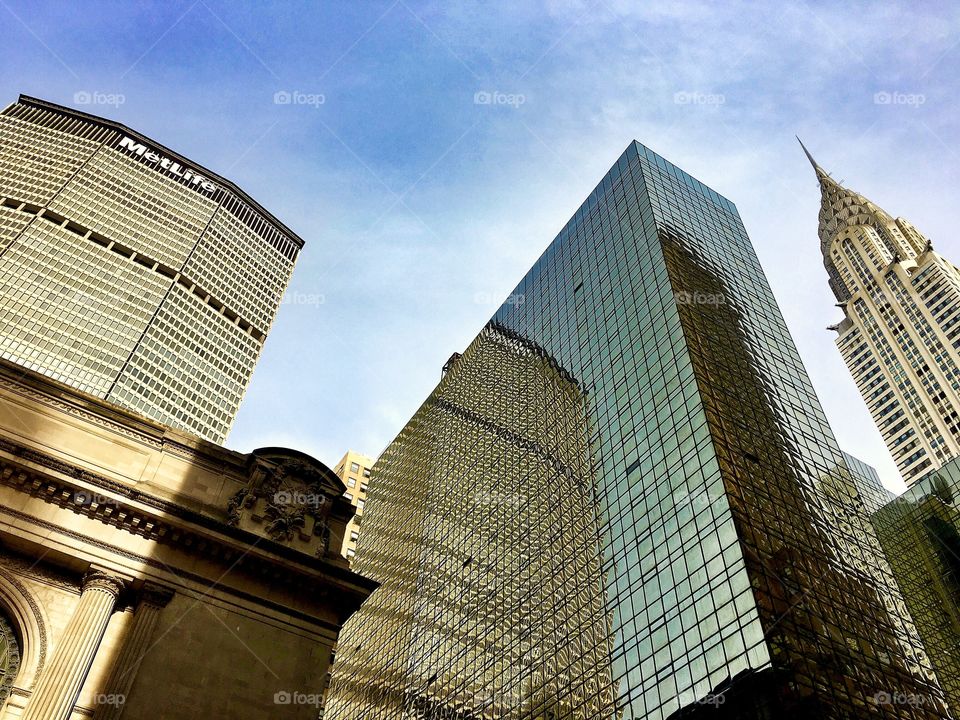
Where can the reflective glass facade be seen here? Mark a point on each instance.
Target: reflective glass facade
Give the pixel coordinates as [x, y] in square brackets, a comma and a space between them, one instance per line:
[920, 534]
[872, 492]
[624, 501]
[131, 273]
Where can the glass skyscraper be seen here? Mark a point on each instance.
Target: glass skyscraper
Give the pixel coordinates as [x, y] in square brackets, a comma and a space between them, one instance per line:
[130, 272]
[624, 501]
[872, 492]
[920, 534]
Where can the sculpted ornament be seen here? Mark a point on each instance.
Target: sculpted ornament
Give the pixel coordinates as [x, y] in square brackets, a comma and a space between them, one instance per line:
[284, 497]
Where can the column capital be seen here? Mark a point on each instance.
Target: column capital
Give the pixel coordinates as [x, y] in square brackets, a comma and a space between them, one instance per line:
[99, 579]
[155, 595]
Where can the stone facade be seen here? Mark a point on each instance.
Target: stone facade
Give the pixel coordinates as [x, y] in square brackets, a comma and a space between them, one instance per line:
[146, 573]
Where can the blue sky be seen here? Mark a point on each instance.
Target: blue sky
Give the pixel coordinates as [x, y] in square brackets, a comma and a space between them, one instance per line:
[422, 208]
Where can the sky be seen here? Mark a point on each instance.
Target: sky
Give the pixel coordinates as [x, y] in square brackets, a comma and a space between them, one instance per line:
[428, 152]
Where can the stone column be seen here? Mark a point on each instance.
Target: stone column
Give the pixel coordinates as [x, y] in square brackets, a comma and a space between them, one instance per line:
[56, 691]
[135, 647]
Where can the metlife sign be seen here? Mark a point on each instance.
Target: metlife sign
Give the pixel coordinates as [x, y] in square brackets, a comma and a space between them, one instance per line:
[168, 165]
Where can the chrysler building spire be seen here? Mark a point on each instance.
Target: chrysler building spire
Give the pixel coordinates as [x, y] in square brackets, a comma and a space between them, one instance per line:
[900, 336]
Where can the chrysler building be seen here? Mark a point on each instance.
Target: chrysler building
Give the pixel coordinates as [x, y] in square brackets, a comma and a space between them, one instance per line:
[900, 336]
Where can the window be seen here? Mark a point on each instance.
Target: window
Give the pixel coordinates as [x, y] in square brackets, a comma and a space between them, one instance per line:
[354, 535]
[360, 504]
[348, 496]
[354, 467]
[351, 482]
[363, 487]
[351, 552]
[366, 472]
[9, 655]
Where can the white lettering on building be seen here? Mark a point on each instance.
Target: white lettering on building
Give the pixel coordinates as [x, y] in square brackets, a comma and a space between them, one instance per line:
[171, 166]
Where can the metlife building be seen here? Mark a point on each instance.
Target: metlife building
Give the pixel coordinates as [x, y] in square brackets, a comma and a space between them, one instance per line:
[131, 273]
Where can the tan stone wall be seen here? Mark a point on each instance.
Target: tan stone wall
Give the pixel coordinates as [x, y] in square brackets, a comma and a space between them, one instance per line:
[212, 662]
[245, 615]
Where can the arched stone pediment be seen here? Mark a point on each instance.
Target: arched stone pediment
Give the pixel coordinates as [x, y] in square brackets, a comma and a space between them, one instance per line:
[289, 498]
[289, 463]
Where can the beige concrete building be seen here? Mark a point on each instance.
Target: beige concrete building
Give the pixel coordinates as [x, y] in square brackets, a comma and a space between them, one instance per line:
[146, 573]
[900, 335]
[354, 470]
[130, 272]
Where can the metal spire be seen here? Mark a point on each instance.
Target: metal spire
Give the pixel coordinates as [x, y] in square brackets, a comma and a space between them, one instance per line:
[809, 156]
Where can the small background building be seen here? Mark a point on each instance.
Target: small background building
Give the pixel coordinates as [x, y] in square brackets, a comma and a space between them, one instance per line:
[354, 470]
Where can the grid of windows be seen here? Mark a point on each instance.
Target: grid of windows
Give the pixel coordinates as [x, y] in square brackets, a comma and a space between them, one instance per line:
[189, 350]
[903, 301]
[72, 310]
[228, 238]
[920, 534]
[354, 469]
[134, 204]
[121, 279]
[645, 405]
[12, 223]
[35, 162]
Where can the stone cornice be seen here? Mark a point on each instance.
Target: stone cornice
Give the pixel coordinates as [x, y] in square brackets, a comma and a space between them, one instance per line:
[29, 567]
[89, 408]
[157, 519]
[317, 589]
[155, 595]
